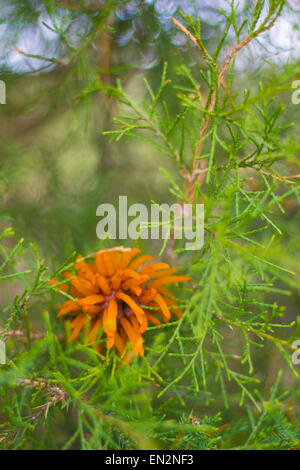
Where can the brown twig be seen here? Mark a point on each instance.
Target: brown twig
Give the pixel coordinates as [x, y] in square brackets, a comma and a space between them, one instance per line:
[197, 175]
[23, 334]
[283, 179]
[191, 37]
[61, 61]
[56, 395]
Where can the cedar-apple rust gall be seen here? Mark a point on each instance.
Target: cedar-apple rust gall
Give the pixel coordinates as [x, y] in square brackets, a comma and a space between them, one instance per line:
[183, 221]
[116, 295]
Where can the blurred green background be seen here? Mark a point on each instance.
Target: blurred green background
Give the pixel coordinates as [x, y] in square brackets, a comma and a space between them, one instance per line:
[56, 166]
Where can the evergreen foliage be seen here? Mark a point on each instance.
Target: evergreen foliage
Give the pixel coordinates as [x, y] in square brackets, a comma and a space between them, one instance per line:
[221, 376]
